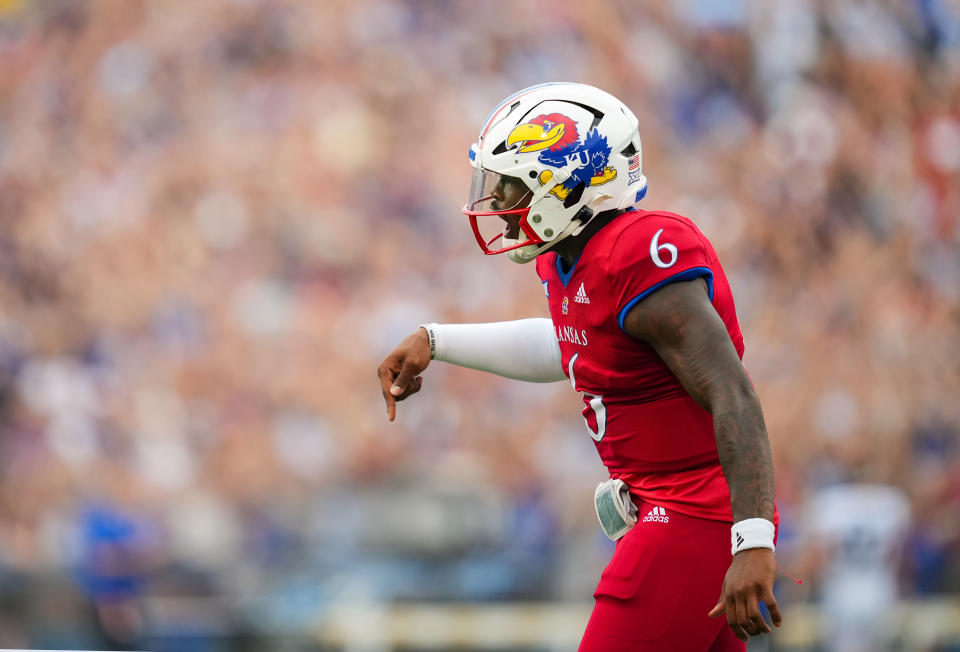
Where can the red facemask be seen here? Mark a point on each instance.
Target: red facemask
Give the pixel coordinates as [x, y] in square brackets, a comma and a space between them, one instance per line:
[489, 193]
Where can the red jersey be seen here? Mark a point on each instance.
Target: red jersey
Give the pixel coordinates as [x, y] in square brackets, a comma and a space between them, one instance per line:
[649, 431]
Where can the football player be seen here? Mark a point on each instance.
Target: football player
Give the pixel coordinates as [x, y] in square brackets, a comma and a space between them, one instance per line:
[643, 325]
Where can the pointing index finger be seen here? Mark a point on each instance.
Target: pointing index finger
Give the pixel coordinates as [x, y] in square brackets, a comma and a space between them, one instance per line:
[387, 375]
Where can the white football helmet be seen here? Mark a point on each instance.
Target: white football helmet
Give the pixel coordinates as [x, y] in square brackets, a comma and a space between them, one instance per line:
[577, 151]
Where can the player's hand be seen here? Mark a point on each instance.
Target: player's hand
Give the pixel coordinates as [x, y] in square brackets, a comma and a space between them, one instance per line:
[399, 371]
[748, 581]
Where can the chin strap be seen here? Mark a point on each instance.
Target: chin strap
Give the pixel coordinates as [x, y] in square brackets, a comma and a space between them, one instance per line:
[579, 222]
[530, 252]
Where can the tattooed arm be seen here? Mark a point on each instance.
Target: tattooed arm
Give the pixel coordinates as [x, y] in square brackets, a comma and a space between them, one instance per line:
[680, 323]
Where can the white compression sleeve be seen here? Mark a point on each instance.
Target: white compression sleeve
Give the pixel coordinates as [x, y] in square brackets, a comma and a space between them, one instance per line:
[525, 349]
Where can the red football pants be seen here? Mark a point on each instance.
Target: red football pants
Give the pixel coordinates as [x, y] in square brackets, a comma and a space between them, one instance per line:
[663, 578]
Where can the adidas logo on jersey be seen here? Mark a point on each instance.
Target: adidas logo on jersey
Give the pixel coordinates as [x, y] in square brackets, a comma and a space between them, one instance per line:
[657, 515]
[581, 296]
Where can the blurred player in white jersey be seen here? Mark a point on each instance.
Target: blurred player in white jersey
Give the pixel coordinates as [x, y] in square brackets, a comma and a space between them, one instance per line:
[857, 532]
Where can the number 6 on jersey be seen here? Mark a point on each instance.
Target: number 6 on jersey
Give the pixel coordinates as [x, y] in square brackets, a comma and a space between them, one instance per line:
[655, 248]
[595, 412]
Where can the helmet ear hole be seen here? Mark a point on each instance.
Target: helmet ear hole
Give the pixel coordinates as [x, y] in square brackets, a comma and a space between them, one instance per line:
[574, 196]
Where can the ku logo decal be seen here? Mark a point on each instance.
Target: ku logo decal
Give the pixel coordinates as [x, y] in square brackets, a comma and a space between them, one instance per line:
[565, 306]
[555, 136]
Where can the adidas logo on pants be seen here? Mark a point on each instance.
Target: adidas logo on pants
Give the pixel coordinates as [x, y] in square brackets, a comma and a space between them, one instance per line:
[658, 515]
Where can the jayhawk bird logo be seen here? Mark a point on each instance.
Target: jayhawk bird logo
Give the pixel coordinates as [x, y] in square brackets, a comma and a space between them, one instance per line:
[556, 137]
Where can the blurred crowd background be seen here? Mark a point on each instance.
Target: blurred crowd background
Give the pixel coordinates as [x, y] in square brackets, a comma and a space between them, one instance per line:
[216, 217]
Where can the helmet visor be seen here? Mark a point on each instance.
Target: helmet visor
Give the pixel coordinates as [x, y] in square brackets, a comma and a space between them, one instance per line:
[497, 210]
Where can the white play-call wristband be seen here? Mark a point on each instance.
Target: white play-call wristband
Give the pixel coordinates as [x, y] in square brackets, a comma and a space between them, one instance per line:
[432, 334]
[751, 533]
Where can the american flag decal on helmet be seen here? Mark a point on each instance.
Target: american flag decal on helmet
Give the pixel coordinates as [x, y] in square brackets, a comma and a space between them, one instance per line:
[633, 170]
